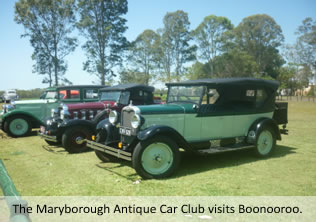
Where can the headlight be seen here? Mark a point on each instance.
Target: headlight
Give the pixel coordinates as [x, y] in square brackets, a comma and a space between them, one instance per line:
[135, 121]
[64, 112]
[113, 116]
[54, 113]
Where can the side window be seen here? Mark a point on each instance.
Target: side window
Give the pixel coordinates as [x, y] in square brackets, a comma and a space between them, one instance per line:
[212, 96]
[69, 94]
[125, 98]
[261, 97]
[91, 94]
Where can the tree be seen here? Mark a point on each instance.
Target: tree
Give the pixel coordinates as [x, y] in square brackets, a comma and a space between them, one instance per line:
[260, 36]
[102, 24]
[235, 63]
[198, 71]
[175, 48]
[210, 39]
[144, 53]
[133, 76]
[306, 44]
[48, 24]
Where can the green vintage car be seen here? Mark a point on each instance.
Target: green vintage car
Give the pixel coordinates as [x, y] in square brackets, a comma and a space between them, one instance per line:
[204, 116]
[18, 118]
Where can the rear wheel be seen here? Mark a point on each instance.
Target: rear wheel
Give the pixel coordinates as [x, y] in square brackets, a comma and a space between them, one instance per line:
[73, 140]
[17, 126]
[156, 158]
[265, 142]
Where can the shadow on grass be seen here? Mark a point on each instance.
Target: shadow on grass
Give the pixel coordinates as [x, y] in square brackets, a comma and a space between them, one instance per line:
[113, 169]
[55, 149]
[191, 164]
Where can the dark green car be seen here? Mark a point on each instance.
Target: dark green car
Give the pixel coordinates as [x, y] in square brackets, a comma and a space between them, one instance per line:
[18, 118]
[202, 116]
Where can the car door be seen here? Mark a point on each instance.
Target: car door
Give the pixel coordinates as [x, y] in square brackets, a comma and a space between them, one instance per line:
[216, 119]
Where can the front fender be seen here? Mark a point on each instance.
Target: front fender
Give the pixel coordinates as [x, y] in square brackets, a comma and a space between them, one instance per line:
[78, 122]
[35, 120]
[265, 122]
[107, 130]
[163, 130]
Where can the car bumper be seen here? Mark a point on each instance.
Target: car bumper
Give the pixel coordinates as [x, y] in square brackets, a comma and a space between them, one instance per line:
[47, 137]
[109, 150]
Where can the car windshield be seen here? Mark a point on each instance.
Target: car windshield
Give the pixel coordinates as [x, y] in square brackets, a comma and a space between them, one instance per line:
[189, 94]
[110, 96]
[50, 95]
[11, 92]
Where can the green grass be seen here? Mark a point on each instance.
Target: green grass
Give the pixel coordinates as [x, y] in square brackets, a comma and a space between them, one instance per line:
[39, 169]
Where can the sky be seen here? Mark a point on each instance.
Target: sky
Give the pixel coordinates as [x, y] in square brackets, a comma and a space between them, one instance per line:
[15, 52]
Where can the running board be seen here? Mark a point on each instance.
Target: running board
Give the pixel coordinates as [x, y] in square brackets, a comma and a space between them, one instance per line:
[223, 149]
[109, 150]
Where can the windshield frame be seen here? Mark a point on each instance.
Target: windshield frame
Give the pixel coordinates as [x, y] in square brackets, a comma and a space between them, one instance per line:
[48, 91]
[181, 101]
[119, 97]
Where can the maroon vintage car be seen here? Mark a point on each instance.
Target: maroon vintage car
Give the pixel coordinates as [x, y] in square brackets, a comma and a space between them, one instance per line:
[73, 123]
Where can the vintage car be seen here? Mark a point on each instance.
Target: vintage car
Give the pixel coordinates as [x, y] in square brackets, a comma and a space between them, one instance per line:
[18, 118]
[202, 116]
[10, 95]
[80, 121]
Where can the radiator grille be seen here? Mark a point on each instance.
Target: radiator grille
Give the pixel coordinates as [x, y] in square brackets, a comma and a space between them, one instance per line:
[126, 118]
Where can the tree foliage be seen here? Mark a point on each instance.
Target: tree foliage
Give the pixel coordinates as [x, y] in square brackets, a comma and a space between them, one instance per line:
[260, 36]
[175, 45]
[144, 55]
[48, 24]
[210, 38]
[102, 24]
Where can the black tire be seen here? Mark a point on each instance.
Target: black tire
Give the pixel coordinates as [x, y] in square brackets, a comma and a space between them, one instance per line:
[51, 143]
[165, 146]
[20, 132]
[72, 139]
[265, 142]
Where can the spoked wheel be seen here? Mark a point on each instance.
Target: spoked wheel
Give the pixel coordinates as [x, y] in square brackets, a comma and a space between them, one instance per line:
[17, 126]
[73, 140]
[265, 143]
[156, 158]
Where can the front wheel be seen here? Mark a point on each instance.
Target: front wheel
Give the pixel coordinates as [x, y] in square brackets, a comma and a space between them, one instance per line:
[265, 142]
[156, 158]
[17, 126]
[73, 140]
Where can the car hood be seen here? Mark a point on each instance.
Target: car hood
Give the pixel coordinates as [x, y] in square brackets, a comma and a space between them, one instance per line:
[90, 105]
[169, 108]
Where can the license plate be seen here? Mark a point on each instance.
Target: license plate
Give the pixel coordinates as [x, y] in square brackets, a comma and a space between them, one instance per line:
[126, 132]
[42, 129]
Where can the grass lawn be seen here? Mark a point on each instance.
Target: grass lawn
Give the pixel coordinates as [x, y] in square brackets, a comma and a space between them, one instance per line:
[38, 169]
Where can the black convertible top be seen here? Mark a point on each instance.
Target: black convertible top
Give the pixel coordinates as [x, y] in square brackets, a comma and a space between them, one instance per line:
[228, 81]
[129, 86]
